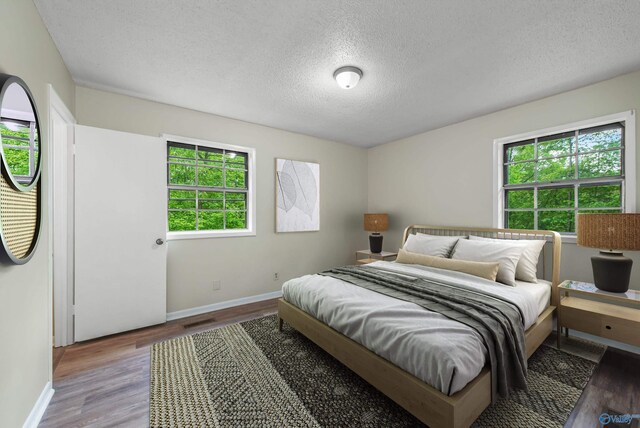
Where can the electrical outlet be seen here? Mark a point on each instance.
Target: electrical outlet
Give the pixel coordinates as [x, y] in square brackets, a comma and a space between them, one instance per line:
[276, 276]
[217, 284]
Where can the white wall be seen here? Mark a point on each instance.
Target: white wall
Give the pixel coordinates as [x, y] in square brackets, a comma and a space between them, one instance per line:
[444, 177]
[246, 265]
[26, 50]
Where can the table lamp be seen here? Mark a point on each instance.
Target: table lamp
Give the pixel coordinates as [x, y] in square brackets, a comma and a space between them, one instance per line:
[612, 232]
[376, 223]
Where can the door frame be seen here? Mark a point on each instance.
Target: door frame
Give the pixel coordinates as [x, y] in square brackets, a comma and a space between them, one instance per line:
[61, 246]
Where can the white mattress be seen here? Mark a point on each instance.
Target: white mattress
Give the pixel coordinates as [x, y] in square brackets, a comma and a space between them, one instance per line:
[441, 352]
[540, 291]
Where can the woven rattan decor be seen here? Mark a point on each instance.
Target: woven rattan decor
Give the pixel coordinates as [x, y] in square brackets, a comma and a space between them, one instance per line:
[376, 222]
[18, 218]
[609, 231]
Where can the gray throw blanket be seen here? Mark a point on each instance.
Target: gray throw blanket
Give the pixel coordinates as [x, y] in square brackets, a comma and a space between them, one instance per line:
[498, 321]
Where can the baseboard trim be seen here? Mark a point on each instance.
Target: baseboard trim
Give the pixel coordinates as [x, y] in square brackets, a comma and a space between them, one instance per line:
[37, 412]
[222, 305]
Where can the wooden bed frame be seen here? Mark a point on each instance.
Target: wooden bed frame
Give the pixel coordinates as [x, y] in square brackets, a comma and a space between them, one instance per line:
[420, 399]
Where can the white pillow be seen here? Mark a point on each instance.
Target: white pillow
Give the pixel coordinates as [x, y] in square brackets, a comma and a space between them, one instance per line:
[481, 251]
[439, 246]
[527, 269]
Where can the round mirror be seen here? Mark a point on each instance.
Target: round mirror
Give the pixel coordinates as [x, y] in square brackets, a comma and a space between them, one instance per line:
[19, 134]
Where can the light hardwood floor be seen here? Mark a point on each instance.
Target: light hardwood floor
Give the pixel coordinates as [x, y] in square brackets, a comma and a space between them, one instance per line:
[105, 382]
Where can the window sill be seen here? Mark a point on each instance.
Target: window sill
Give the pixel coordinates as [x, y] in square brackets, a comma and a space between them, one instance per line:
[176, 236]
[568, 239]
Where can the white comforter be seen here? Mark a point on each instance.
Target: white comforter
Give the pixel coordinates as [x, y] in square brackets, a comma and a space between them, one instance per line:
[442, 352]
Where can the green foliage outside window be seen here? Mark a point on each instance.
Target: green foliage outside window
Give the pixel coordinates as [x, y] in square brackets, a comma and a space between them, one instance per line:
[15, 146]
[207, 188]
[549, 180]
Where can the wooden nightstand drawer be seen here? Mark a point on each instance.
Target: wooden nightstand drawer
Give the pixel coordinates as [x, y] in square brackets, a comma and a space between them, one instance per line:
[614, 316]
[620, 329]
[580, 319]
[614, 322]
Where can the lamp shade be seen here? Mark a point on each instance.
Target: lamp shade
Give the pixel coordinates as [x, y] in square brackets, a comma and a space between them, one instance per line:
[376, 222]
[609, 231]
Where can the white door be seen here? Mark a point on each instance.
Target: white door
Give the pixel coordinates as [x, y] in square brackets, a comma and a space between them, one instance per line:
[120, 229]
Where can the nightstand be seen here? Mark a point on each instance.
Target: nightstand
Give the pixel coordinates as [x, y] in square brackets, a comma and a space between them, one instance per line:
[365, 256]
[613, 316]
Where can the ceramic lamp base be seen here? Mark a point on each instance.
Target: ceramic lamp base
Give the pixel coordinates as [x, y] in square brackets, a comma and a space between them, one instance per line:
[611, 271]
[375, 243]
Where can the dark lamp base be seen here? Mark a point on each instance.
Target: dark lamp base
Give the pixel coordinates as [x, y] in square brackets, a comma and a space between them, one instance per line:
[611, 271]
[375, 243]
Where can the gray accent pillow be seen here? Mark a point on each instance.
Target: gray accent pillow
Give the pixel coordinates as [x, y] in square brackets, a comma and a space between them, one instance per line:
[430, 245]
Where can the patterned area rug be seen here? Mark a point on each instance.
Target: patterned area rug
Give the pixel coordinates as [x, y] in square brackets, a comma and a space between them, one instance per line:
[252, 375]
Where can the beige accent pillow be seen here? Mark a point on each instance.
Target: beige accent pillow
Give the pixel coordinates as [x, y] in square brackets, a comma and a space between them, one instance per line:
[486, 270]
[527, 268]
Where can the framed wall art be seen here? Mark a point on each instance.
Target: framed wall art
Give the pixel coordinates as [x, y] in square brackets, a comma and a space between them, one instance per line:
[297, 196]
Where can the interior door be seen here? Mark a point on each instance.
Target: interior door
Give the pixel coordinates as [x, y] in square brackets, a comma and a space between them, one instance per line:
[120, 229]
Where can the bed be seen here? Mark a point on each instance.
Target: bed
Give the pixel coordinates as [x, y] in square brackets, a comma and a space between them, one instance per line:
[450, 390]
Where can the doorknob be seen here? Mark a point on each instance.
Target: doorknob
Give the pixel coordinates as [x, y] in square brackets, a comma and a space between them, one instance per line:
[159, 241]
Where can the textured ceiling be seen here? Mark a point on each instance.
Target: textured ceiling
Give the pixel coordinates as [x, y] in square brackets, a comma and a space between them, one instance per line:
[426, 63]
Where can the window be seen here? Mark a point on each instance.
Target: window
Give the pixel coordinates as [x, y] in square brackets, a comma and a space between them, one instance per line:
[210, 189]
[20, 146]
[547, 178]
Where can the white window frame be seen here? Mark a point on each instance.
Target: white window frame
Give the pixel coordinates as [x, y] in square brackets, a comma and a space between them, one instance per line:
[629, 187]
[25, 118]
[251, 192]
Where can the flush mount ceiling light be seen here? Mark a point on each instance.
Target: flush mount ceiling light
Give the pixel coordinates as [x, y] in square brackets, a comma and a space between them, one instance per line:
[347, 77]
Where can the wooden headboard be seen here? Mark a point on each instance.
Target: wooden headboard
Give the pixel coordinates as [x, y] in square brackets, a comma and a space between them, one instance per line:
[553, 241]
